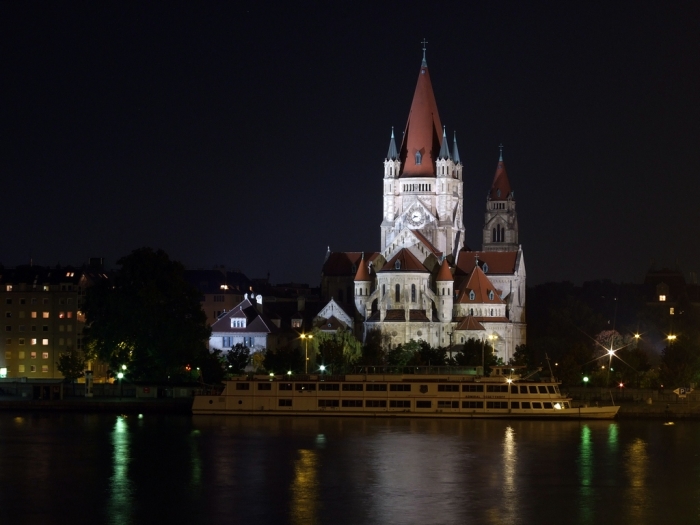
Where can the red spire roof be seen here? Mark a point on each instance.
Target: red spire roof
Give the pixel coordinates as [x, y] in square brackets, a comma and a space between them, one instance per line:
[404, 261]
[362, 271]
[500, 189]
[444, 274]
[423, 131]
[482, 288]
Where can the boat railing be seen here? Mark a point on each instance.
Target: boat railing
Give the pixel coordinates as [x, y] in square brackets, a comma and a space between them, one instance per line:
[419, 370]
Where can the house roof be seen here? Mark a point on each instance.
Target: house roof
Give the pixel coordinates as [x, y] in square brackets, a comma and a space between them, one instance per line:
[427, 243]
[362, 274]
[407, 262]
[496, 262]
[482, 288]
[400, 316]
[332, 324]
[469, 323]
[423, 130]
[256, 322]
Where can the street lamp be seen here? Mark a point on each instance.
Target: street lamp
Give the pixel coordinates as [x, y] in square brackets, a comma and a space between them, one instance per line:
[120, 376]
[671, 338]
[306, 338]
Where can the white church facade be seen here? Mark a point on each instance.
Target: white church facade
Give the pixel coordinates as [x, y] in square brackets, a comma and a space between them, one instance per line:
[424, 283]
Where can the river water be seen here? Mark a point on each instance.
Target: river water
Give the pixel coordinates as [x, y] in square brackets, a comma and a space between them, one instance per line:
[76, 468]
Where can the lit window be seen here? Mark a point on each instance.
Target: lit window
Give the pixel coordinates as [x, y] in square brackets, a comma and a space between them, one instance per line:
[671, 311]
[44, 368]
[45, 355]
[45, 342]
[46, 287]
[662, 298]
[61, 315]
[296, 323]
[33, 341]
[21, 369]
[45, 315]
[32, 355]
[33, 315]
[8, 288]
[21, 354]
[69, 315]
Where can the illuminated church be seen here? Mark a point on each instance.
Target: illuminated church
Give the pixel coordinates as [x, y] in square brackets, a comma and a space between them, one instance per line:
[424, 283]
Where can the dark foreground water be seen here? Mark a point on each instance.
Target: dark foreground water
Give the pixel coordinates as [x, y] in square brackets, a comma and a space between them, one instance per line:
[68, 468]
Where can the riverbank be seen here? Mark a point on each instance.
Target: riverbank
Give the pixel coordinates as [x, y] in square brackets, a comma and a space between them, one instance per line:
[98, 405]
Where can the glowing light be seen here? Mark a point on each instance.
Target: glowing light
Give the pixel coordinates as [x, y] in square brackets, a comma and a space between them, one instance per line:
[557, 406]
[323, 368]
[120, 375]
[509, 380]
[637, 336]
[611, 352]
[289, 373]
[585, 379]
[123, 367]
[272, 374]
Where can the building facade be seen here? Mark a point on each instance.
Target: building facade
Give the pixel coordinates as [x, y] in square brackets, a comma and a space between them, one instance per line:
[424, 283]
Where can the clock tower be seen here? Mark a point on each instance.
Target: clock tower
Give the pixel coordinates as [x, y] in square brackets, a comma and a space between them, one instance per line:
[423, 189]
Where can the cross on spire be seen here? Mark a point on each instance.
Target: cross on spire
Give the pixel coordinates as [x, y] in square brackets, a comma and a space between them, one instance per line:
[500, 156]
[424, 42]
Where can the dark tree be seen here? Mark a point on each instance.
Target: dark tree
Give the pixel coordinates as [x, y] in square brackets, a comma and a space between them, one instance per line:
[284, 359]
[471, 354]
[237, 359]
[147, 317]
[72, 365]
[330, 354]
[373, 350]
[680, 363]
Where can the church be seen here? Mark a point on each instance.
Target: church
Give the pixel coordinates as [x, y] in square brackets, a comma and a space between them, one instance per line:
[425, 283]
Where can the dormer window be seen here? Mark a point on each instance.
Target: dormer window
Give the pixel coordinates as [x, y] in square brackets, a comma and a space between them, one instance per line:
[418, 157]
[353, 268]
[397, 265]
[485, 268]
[238, 322]
[491, 295]
[472, 295]
[498, 193]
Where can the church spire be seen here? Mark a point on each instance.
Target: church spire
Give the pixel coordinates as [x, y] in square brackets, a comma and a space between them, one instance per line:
[444, 149]
[455, 151]
[392, 154]
[425, 62]
[500, 188]
[421, 142]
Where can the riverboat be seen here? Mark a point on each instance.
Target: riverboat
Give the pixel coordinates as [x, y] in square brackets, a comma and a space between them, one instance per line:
[418, 394]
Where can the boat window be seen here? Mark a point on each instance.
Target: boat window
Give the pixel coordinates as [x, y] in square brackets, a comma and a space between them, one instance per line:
[448, 388]
[376, 403]
[352, 388]
[526, 404]
[523, 390]
[284, 402]
[328, 403]
[537, 405]
[472, 388]
[566, 405]
[533, 389]
[543, 389]
[448, 404]
[352, 403]
[472, 404]
[329, 386]
[497, 388]
[551, 390]
[497, 404]
[242, 386]
[264, 386]
[515, 404]
[374, 387]
[513, 389]
[556, 389]
[424, 404]
[399, 403]
[305, 386]
[547, 405]
[400, 387]
[285, 386]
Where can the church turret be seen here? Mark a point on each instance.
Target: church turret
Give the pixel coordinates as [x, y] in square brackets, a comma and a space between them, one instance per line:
[501, 221]
[392, 167]
[363, 287]
[456, 159]
[444, 287]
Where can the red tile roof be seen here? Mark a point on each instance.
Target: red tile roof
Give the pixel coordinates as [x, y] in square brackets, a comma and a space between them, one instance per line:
[341, 263]
[418, 315]
[497, 262]
[332, 324]
[500, 188]
[469, 323]
[481, 286]
[423, 131]
[395, 315]
[427, 243]
[407, 263]
[444, 274]
[362, 271]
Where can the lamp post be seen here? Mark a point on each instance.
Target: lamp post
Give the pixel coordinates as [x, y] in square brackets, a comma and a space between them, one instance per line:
[306, 338]
[120, 376]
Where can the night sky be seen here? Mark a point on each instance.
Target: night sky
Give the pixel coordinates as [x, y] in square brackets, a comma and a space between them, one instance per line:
[253, 135]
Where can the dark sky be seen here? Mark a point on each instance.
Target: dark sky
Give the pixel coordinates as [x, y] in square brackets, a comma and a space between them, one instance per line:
[254, 135]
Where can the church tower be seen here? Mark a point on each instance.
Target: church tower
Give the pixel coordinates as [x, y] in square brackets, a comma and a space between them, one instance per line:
[423, 189]
[501, 220]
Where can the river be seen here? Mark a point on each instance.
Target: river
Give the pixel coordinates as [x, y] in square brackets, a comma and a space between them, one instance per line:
[78, 468]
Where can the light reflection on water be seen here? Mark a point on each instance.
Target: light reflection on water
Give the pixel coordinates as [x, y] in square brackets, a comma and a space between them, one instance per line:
[345, 471]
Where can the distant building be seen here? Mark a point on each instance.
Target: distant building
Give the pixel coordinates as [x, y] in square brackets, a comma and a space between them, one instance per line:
[221, 290]
[425, 283]
[246, 325]
[42, 318]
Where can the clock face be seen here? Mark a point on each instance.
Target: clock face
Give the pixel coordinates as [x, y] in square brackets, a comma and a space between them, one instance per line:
[416, 218]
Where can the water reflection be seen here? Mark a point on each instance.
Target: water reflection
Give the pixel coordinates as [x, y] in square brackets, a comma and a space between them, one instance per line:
[585, 471]
[304, 504]
[120, 493]
[636, 466]
[510, 487]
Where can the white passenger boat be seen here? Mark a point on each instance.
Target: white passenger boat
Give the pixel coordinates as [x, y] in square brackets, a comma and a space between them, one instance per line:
[445, 395]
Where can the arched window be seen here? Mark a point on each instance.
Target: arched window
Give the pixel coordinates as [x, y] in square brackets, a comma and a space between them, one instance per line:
[413, 293]
[485, 268]
[471, 311]
[360, 291]
[491, 295]
[418, 157]
[398, 293]
[443, 291]
[397, 265]
[491, 312]
[493, 235]
[472, 295]
[383, 290]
